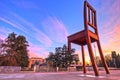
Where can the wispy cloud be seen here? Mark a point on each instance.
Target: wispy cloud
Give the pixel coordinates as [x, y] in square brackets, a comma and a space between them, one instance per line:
[37, 50]
[115, 7]
[30, 30]
[110, 28]
[27, 27]
[113, 38]
[2, 37]
[55, 29]
[13, 24]
[36, 33]
[4, 30]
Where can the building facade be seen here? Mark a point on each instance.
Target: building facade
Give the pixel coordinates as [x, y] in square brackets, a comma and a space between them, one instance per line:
[36, 60]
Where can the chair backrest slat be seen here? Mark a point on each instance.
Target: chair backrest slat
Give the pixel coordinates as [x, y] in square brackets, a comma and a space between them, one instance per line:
[89, 17]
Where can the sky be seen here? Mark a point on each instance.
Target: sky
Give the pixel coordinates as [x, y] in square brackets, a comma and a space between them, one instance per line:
[47, 23]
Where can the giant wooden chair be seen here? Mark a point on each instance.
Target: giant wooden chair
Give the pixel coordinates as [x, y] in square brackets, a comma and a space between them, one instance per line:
[87, 37]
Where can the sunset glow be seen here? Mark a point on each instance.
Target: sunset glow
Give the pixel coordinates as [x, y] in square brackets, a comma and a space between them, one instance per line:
[46, 24]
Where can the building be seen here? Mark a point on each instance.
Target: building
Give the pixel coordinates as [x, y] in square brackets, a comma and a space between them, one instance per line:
[34, 60]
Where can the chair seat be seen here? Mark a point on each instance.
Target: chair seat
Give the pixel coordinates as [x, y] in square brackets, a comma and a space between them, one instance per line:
[80, 37]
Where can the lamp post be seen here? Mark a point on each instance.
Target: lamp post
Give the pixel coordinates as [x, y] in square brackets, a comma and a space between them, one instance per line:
[95, 51]
[95, 54]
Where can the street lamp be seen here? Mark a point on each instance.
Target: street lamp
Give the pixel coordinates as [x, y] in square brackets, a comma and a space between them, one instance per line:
[95, 51]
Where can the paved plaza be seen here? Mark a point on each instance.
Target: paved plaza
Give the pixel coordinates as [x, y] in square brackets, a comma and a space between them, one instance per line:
[115, 75]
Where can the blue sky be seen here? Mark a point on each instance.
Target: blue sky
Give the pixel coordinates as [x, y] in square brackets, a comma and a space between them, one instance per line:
[47, 23]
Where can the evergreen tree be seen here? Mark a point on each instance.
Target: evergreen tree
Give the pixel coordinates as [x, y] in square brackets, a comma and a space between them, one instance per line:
[22, 52]
[15, 51]
[8, 51]
[1, 42]
[61, 57]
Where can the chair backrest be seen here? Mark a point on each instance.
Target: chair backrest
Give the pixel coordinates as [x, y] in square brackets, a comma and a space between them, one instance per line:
[90, 21]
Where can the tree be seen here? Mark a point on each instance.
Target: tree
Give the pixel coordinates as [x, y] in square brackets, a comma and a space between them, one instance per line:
[108, 60]
[1, 42]
[22, 52]
[15, 50]
[75, 58]
[61, 57]
[8, 51]
[50, 59]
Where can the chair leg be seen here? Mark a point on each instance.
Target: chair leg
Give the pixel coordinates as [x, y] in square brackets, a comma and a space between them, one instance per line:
[102, 57]
[83, 59]
[95, 68]
[69, 46]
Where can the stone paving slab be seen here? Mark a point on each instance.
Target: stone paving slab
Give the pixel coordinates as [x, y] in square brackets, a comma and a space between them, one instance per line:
[115, 75]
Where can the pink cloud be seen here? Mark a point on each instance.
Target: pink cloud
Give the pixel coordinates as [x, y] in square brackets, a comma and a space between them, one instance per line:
[32, 54]
[42, 54]
[115, 7]
[110, 11]
[112, 38]
[55, 29]
[2, 37]
[37, 50]
[110, 31]
[41, 37]
[109, 7]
